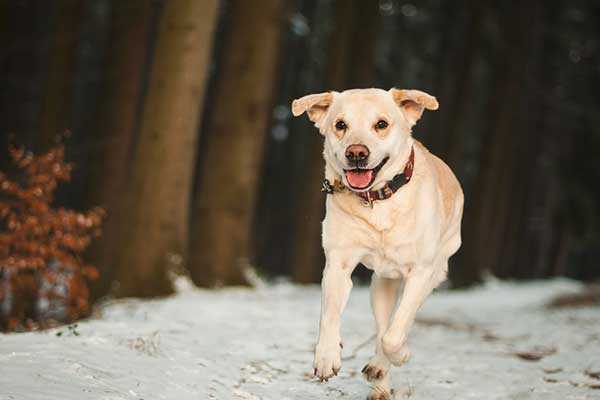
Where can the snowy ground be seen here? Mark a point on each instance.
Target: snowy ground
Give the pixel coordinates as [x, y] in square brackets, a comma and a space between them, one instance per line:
[257, 344]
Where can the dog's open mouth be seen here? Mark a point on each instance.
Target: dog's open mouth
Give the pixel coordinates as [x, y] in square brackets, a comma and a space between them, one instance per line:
[360, 178]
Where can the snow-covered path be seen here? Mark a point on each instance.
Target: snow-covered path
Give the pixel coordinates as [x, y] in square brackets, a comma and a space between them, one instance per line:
[257, 344]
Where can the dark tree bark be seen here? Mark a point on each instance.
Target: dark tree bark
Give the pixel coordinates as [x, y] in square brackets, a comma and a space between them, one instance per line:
[301, 70]
[452, 28]
[116, 126]
[487, 211]
[350, 64]
[506, 205]
[458, 107]
[156, 217]
[232, 150]
[533, 198]
[23, 62]
[57, 98]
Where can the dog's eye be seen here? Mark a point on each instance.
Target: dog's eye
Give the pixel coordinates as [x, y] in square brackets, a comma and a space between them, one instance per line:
[341, 125]
[381, 124]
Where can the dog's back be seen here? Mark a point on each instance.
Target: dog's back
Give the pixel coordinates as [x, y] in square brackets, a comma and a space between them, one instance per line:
[452, 198]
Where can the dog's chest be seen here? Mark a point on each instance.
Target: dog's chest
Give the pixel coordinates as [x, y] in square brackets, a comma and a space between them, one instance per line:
[389, 235]
[391, 243]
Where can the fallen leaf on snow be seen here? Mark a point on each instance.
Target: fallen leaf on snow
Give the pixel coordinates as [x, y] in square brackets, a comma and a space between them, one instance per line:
[553, 370]
[593, 374]
[535, 354]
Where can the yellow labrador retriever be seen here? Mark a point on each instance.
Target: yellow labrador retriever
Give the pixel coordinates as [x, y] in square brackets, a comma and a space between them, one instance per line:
[392, 206]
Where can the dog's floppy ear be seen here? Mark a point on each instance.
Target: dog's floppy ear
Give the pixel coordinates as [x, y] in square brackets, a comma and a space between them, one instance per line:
[315, 106]
[413, 102]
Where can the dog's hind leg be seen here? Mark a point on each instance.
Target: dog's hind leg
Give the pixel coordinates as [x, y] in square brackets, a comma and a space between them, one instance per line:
[384, 295]
[419, 284]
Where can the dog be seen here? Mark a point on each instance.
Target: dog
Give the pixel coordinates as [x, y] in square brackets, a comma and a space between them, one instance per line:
[392, 206]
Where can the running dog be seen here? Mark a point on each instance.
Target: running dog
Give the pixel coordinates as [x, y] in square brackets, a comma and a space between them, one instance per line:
[392, 206]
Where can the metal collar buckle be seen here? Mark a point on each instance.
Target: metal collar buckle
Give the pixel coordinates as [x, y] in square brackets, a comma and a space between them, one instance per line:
[368, 202]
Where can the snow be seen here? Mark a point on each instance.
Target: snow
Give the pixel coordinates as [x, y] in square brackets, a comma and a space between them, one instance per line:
[257, 344]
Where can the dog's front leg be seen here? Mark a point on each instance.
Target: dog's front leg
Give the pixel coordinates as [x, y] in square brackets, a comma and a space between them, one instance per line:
[336, 286]
[419, 284]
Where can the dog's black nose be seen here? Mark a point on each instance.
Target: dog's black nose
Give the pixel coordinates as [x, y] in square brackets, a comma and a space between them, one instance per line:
[357, 152]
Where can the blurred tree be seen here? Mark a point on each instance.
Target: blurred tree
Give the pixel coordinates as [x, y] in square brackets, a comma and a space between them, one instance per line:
[350, 64]
[525, 241]
[487, 213]
[56, 108]
[302, 72]
[574, 113]
[85, 96]
[232, 150]
[458, 103]
[24, 37]
[117, 124]
[518, 124]
[156, 216]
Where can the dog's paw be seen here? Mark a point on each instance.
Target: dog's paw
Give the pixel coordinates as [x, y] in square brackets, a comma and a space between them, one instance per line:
[380, 394]
[399, 357]
[376, 368]
[328, 360]
[395, 349]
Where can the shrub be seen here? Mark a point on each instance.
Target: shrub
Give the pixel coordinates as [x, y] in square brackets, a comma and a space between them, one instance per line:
[43, 278]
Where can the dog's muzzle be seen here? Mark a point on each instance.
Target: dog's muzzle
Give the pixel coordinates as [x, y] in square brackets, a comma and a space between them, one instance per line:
[362, 178]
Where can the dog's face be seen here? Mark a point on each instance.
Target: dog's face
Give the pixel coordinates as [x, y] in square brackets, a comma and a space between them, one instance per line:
[366, 130]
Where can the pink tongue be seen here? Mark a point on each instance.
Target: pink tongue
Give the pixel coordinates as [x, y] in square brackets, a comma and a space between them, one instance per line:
[359, 179]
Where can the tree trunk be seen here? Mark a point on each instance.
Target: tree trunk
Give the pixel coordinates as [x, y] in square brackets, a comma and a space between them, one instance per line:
[23, 64]
[485, 214]
[232, 149]
[56, 107]
[298, 72]
[458, 108]
[513, 160]
[117, 122]
[451, 30]
[156, 216]
[526, 238]
[351, 63]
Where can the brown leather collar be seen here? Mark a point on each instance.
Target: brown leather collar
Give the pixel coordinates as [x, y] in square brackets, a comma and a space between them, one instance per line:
[385, 192]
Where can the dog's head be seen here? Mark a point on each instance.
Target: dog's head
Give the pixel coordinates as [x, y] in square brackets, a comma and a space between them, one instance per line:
[366, 131]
